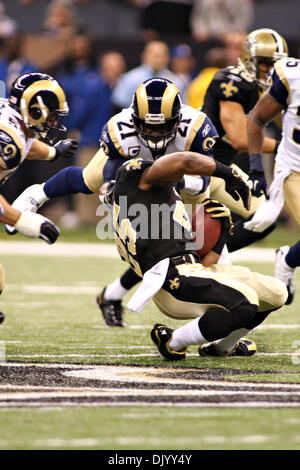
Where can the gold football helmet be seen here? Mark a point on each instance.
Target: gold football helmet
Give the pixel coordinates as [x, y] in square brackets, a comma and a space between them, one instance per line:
[40, 102]
[262, 45]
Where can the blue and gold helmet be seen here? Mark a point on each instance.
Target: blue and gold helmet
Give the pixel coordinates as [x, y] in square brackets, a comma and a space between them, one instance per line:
[156, 113]
[40, 102]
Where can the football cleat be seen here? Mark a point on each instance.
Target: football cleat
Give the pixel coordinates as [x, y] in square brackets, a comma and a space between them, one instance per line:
[161, 337]
[112, 310]
[285, 273]
[2, 317]
[244, 347]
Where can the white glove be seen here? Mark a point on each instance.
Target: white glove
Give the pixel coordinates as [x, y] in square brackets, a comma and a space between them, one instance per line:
[36, 226]
[266, 215]
[31, 199]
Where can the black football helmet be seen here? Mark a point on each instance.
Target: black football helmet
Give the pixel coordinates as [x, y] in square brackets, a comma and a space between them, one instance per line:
[156, 113]
[40, 102]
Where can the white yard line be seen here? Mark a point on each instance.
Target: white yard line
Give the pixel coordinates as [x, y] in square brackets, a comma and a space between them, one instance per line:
[38, 248]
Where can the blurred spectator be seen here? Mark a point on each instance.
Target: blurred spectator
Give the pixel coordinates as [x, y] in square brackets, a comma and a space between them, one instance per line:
[8, 26]
[61, 19]
[154, 63]
[233, 42]
[165, 17]
[12, 60]
[182, 64]
[215, 60]
[214, 18]
[75, 72]
[94, 110]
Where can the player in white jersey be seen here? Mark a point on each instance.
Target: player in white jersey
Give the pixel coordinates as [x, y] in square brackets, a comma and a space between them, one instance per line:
[283, 95]
[33, 110]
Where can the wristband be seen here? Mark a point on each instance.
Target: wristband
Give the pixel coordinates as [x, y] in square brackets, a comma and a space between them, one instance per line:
[256, 162]
[222, 171]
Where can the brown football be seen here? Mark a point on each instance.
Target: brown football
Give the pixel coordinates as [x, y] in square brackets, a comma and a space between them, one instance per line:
[206, 229]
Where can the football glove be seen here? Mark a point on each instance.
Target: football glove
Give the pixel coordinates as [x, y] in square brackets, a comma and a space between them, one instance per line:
[257, 181]
[217, 210]
[36, 226]
[234, 183]
[65, 149]
[31, 199]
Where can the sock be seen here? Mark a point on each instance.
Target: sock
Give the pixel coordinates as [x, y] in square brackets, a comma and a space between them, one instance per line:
[115, 291]
[186, 335]
[292, 258]
[226, 345]
[67, 181]
[129, 279]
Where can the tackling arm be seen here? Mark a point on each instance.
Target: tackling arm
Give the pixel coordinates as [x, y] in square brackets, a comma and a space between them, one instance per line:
[62, 149]
[169, 169]
[29, 224]
[264, 111]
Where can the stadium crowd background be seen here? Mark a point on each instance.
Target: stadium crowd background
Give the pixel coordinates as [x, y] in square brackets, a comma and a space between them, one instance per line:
[88, 44]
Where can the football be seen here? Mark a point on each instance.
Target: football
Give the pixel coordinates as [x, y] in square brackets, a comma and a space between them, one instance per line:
[206, 229]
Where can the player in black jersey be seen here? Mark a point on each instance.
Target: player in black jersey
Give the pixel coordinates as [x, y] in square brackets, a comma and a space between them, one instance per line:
[224, 301]
[230, 96]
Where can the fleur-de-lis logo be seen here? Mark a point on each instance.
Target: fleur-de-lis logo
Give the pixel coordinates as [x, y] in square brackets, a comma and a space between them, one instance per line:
[134, 164]
[229, 89]
[174, 283]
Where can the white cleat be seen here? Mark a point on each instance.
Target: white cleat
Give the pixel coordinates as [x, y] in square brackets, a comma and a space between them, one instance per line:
[285, 273]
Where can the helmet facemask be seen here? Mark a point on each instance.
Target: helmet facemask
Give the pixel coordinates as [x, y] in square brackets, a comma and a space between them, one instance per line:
[156, 133]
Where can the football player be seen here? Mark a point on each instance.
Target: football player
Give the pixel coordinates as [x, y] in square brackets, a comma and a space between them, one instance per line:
[283, 95]
[30, 127]
[225, 302]
[157, 123]
[230, 96]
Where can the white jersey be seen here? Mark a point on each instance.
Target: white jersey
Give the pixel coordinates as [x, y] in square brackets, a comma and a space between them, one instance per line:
[119, 138]
[14, 146]
[285, 89]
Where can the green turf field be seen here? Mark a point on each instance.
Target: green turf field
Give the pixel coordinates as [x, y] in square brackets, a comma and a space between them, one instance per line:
[69, 382]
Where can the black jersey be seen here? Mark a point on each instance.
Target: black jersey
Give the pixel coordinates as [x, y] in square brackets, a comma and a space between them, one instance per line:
[229, 84]
[149, 225]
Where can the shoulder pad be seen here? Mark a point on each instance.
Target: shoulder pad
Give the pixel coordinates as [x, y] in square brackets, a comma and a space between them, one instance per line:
[11, 148]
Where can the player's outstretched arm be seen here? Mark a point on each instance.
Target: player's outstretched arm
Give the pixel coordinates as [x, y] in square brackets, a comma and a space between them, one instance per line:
[264, 111]
[169, 169]
[29, 224]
